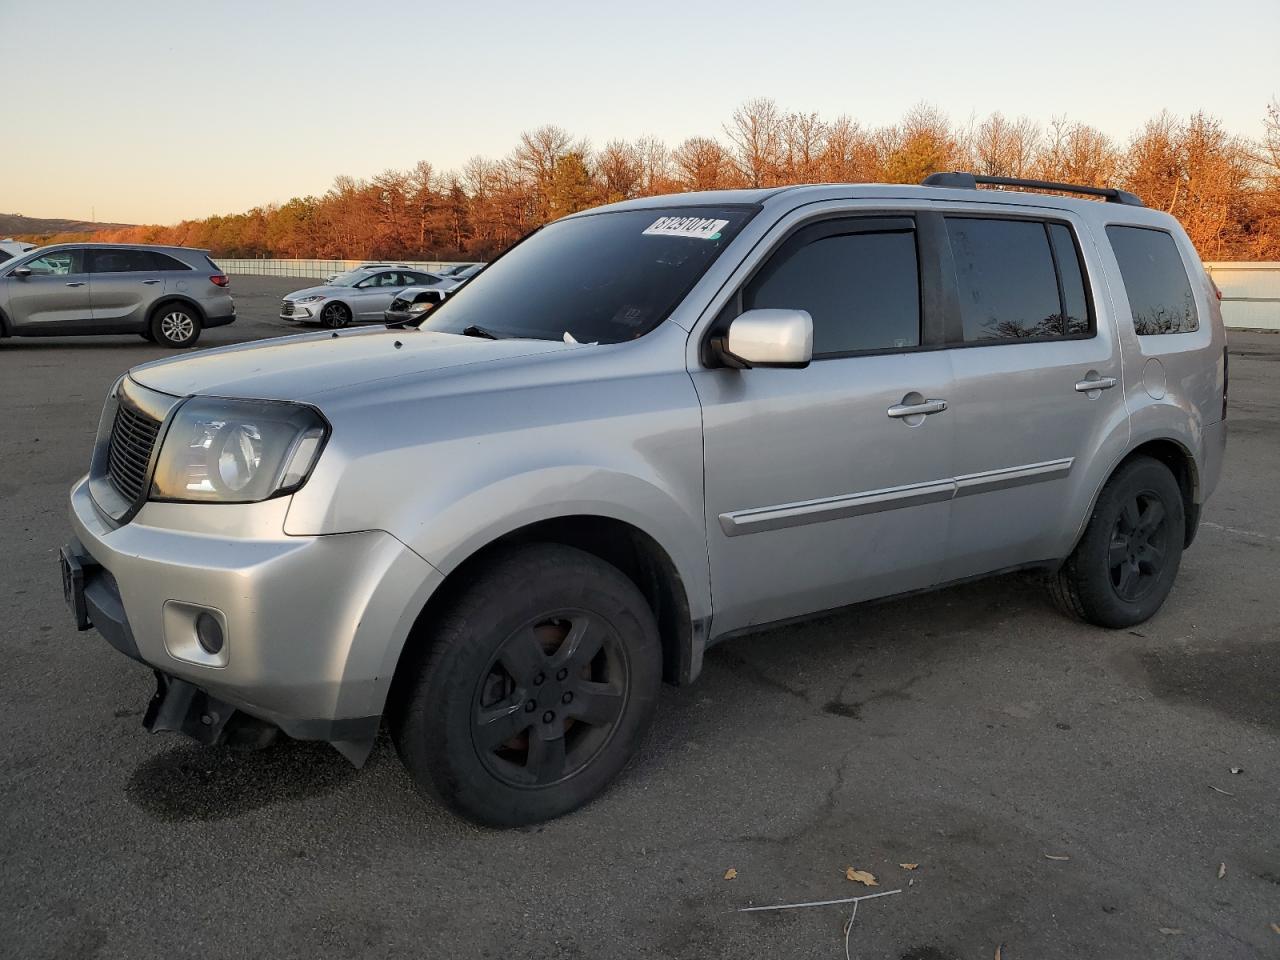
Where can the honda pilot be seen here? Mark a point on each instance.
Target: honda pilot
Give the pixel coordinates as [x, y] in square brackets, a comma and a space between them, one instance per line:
[645, 429]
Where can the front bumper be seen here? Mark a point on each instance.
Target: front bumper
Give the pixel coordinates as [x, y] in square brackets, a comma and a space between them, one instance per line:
[313, 625]
[299, 312]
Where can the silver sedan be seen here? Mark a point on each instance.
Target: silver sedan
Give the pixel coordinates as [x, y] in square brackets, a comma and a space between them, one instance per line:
[357, 296]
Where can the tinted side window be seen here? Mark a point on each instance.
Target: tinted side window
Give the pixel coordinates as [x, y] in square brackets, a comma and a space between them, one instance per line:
[5, 255]
[165, 262]
[1007, 284]
[1154, 278]
[120, 261]
[1075, 302]
[862, 290]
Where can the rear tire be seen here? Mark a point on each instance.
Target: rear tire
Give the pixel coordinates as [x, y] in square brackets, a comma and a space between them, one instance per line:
[1124, 566]
[534, 689]
[175, 325]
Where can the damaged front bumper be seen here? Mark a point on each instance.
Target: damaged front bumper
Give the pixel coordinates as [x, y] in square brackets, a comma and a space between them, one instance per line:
[313, 625]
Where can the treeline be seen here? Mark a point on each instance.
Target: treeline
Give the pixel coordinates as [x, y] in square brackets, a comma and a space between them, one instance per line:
[1223, 187]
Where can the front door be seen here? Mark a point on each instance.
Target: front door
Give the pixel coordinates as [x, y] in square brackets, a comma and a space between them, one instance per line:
[830, 484]
[54, 297]
[374, 295]
[1037, 395]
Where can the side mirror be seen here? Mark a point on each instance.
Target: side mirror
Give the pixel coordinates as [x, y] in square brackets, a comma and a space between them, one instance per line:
[768, 338]
[22, 272]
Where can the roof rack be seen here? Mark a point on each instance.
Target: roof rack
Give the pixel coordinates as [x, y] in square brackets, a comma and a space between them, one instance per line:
[960, 180]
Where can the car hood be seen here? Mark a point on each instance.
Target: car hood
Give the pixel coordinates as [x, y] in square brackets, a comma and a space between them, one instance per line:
[306, 366]
[324, 289]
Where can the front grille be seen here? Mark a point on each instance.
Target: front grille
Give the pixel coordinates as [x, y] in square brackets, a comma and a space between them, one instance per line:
[133, 435]
[287, 309]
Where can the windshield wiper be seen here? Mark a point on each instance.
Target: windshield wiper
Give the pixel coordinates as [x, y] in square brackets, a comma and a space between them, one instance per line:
[475, 330]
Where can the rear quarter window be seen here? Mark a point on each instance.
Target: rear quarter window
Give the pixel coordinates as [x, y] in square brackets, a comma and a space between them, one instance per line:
[165, 262]
[1155, 280]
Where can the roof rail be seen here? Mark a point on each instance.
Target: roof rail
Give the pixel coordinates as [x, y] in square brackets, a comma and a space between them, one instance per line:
[960, 180]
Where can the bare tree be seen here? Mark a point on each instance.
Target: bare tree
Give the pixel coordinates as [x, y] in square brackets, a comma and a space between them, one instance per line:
[1000, 148]
[756, 135]
[703, 164]
[1076, 153]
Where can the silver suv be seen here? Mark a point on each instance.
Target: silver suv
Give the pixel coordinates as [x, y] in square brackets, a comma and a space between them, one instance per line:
[645, 429]
[164, 294]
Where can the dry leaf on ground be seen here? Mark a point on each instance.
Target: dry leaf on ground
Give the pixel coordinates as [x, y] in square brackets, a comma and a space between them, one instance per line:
[1276, 927]
[908, 866]
[861, 876]
[1237, 769]
[1050, 856]
[1171, 931]
[1222, 870]
[731, 874]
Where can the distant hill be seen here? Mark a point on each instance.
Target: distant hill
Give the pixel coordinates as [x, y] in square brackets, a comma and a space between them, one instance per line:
[13, 224]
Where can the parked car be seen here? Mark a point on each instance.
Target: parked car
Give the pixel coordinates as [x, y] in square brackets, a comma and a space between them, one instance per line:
[357, 296]
[370, 266]
[10, 248]
[462, 271]
[646, 429]
[163, 294]
[411, 305]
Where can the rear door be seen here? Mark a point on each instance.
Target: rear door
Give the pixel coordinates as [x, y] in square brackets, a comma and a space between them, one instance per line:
[1037, 398]
[125, 285]
[55, 298]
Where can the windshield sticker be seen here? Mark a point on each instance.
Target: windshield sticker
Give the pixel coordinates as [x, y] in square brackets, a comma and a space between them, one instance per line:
[700, 228]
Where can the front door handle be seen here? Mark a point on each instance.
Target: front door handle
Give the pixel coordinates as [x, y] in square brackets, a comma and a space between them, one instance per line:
[1101, 383]
[75, 283]
[901, 410]
[150, 281]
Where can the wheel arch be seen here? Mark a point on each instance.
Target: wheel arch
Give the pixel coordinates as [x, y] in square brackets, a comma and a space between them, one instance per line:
[625, 546]
[1174, 454]
[169, 298]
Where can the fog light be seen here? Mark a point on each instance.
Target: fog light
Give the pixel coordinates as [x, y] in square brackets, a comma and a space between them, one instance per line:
[209, 633]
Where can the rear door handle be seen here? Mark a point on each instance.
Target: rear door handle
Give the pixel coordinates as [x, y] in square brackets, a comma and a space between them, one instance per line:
[150, 281]
[75, 283]
[900, 410]
[1101, 383]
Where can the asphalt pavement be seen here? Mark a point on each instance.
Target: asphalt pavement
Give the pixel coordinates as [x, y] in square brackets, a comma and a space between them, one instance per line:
[1065, 791]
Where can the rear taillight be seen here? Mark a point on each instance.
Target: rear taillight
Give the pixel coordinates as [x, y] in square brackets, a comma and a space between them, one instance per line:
[1224, 383]
[220, 279]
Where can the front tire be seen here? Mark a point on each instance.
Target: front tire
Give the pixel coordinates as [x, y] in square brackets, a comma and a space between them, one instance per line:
[1124, 566]
[175, 325]
[335, 315]
[534, 690]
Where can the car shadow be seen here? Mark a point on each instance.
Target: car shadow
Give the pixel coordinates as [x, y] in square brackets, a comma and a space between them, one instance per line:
[192, 783]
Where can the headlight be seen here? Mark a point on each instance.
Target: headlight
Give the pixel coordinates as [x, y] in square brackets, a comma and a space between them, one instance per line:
[420, 307]
[311, 299]
[237, 451]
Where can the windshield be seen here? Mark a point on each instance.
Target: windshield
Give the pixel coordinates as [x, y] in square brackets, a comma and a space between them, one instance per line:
[602, 278]
[348, 279]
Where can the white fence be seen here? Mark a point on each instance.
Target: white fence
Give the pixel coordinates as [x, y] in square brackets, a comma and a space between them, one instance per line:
[317, 268]
[1250, 293]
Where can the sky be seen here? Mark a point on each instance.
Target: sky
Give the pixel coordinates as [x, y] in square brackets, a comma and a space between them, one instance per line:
[153, 111]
